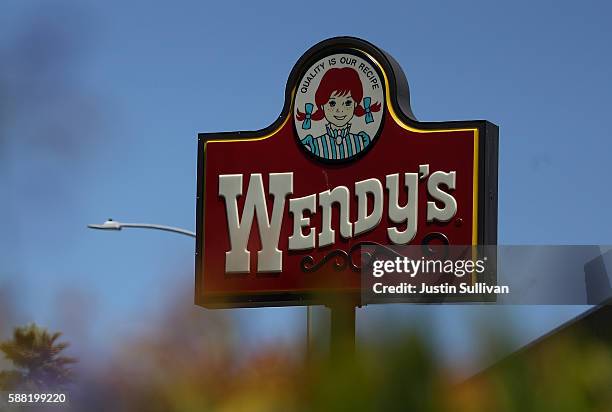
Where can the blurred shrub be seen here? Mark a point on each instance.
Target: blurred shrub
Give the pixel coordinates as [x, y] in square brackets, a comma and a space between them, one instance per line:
[36, 356]
[195, 368]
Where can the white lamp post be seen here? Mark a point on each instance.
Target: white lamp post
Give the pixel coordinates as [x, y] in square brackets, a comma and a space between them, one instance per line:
[111, 224]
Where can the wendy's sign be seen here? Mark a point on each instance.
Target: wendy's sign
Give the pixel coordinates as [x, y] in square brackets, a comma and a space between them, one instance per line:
[283, 212]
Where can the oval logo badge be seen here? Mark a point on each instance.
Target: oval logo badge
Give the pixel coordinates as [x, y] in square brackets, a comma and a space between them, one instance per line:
[338, 107]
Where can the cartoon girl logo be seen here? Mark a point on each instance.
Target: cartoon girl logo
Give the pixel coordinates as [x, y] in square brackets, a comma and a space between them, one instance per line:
[344, 118]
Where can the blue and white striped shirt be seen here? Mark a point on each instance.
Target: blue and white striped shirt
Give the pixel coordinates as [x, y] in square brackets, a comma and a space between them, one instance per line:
[337, 144]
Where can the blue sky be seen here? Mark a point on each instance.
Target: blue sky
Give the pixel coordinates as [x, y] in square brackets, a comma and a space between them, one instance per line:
[103, 102]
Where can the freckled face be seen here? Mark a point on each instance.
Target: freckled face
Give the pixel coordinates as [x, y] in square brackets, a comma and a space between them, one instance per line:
[339, 110]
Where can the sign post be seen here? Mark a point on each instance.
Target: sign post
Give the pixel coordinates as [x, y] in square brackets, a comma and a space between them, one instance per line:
[342, 337]
[284, 212]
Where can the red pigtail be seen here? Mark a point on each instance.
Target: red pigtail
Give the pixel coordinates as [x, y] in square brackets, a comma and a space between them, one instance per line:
[317, 115]
[360, 111]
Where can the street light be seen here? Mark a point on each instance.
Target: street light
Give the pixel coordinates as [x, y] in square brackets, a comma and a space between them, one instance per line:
[111, 224]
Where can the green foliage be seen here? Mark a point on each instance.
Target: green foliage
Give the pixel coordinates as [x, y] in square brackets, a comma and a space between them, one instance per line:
[36, 356]
[568, 374]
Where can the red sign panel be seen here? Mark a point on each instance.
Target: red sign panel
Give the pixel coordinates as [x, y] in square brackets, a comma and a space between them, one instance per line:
[282, 212]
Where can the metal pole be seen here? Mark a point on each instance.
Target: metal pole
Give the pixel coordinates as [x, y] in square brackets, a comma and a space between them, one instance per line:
[159, 227]
[342, 330]
[308, 337]
[111, 224]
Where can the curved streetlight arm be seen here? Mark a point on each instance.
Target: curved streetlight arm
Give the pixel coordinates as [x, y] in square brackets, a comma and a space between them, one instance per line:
[111, 224]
